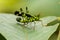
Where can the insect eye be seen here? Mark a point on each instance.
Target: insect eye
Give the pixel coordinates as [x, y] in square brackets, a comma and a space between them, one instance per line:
[18, 19]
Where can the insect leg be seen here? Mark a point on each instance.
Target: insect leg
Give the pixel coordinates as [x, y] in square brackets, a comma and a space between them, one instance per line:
[34, 25]
[41, 22]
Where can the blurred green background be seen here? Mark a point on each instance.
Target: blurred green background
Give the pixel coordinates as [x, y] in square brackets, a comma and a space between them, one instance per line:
[44, 7]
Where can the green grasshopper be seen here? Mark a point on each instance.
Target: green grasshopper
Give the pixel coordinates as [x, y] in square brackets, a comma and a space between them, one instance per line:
[25, 17]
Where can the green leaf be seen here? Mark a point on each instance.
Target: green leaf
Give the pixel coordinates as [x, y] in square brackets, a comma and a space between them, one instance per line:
[58, 35]
[13, 31]
[54, 36]
[2, 37]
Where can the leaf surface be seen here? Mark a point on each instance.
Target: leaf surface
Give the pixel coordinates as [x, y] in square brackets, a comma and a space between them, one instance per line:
[13, 31]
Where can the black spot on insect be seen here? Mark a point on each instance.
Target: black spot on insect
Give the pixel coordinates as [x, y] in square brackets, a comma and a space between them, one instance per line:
[21, 9]
[26, 8]
[28, 15]
[16, 12]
